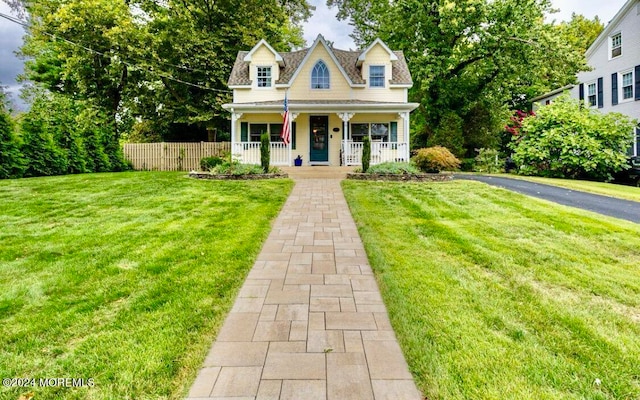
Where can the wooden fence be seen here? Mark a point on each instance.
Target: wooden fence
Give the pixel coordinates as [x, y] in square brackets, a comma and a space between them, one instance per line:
[172, 156]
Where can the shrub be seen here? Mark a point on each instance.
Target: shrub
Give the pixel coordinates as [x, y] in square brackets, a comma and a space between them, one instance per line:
[207, 163]
[567, 140]
[396, 168]
[265, 151]
[435, 159]
[11, 161]
[235, 168]
[487, 161]
[467, 164]
[366, 153]
[42, 155]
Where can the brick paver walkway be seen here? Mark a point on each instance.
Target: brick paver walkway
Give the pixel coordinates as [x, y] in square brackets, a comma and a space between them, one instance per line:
[309, 322]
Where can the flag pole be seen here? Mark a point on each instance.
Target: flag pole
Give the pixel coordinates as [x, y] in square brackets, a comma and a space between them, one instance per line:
[289, 128]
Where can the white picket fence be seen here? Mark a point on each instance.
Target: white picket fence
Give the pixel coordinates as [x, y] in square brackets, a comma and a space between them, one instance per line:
[166, 156]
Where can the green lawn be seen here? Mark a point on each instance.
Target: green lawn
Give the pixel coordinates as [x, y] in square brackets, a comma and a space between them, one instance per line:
[604, 188]
[123, 278]
[495, 295]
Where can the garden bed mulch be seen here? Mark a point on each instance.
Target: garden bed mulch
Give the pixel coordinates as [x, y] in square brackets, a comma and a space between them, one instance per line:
[229, 177]
[400, 177]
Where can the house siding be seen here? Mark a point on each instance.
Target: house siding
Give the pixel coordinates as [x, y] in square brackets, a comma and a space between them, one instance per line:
[348, 97]
[339, 87]
[261, 57]
[603, 67]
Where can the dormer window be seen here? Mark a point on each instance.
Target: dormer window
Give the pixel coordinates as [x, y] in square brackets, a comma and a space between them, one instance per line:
[616, 45]
[376, 76]
[320, 76]
[264, 77]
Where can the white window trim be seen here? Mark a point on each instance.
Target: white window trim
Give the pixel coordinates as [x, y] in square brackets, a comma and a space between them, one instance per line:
[271, 85]
[586, 93]
[610, 47]
[311, 75]
[384, 78]
[621, 98]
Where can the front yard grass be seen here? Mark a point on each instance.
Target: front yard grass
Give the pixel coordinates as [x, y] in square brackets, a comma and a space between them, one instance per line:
[495, 295]
[123, 278]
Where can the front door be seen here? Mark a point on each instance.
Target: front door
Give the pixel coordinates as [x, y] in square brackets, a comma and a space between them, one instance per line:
[319, 134]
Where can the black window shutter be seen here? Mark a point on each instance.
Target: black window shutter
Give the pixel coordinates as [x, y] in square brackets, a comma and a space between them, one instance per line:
[293, 135]
[600, 92]
[394, 131]
[637, 74]
[581, 91]
[244, 131]
[614, 88]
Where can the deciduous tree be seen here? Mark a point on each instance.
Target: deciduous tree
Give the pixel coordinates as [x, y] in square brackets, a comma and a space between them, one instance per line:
[468, 57]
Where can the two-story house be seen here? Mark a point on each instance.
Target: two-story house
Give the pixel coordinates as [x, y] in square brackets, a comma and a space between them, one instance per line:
[334, 98]
[613, 84]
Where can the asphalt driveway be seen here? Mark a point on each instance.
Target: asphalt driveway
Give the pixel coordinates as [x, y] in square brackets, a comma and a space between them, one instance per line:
[618, 208]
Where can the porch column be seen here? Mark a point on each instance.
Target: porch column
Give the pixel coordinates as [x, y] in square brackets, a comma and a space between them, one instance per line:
[405, 117]
[234, 121]
[345, 117]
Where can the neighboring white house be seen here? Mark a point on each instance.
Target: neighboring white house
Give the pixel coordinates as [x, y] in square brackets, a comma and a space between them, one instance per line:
[335, 98]
[613, 84]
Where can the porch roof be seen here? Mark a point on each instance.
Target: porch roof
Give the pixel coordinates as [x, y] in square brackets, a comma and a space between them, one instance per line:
[305, 106]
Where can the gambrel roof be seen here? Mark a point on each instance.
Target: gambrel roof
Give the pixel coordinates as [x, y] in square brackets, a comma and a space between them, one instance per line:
[347, 60]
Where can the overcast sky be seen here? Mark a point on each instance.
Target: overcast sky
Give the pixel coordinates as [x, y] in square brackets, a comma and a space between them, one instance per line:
[323, 22]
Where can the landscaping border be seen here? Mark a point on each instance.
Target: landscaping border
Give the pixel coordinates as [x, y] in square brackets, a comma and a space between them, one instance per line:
[230, 177]
[400, 177]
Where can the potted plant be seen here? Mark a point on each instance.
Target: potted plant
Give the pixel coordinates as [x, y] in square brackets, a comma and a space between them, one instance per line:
[298, 161]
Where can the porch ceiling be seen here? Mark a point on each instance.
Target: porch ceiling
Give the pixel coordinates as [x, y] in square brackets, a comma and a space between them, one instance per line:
[309, 106]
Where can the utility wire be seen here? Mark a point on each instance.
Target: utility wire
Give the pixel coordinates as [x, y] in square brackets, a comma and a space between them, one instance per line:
[148, 69]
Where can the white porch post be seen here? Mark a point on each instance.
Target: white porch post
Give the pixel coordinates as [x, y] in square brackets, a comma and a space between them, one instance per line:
[234, 121]
[405, 117]
[345, 117]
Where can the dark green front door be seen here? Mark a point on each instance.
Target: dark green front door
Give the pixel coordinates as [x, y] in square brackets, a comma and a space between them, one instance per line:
[319, 134]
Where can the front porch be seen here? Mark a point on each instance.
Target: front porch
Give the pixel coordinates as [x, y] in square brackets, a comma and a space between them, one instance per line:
[323, 132]
[350, 153]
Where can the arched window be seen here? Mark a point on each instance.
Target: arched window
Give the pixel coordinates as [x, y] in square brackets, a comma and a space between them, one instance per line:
[320, 76]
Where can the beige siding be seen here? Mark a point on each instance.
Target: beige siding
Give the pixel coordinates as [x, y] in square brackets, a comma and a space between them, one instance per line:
[340, 88]
[256, 119]
[301, 86]
[377, 55]
[262, 57]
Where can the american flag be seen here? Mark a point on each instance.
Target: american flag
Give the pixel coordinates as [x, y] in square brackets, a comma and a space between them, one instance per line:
[286, 131]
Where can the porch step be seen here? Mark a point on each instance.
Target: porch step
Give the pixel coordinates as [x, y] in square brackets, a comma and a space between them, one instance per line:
[317, 172]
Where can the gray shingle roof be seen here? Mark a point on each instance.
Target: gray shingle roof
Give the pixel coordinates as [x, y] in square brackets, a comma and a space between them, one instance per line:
[292, 60]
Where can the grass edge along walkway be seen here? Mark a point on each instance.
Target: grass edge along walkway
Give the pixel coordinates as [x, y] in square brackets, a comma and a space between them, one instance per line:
[496, 295]
[124, 278]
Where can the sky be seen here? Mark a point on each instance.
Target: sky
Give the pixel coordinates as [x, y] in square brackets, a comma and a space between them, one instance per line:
[322, 22]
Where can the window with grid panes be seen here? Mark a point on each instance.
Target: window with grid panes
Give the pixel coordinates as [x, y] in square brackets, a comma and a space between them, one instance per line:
[591, 94]
[627, 85]
[264, 76]
[616, 45]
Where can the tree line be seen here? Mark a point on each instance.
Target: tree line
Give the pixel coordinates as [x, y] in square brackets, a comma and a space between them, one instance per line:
[146, 69]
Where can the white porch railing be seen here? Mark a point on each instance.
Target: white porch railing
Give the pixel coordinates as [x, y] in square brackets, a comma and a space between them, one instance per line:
[249, 153]
[380, 152]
